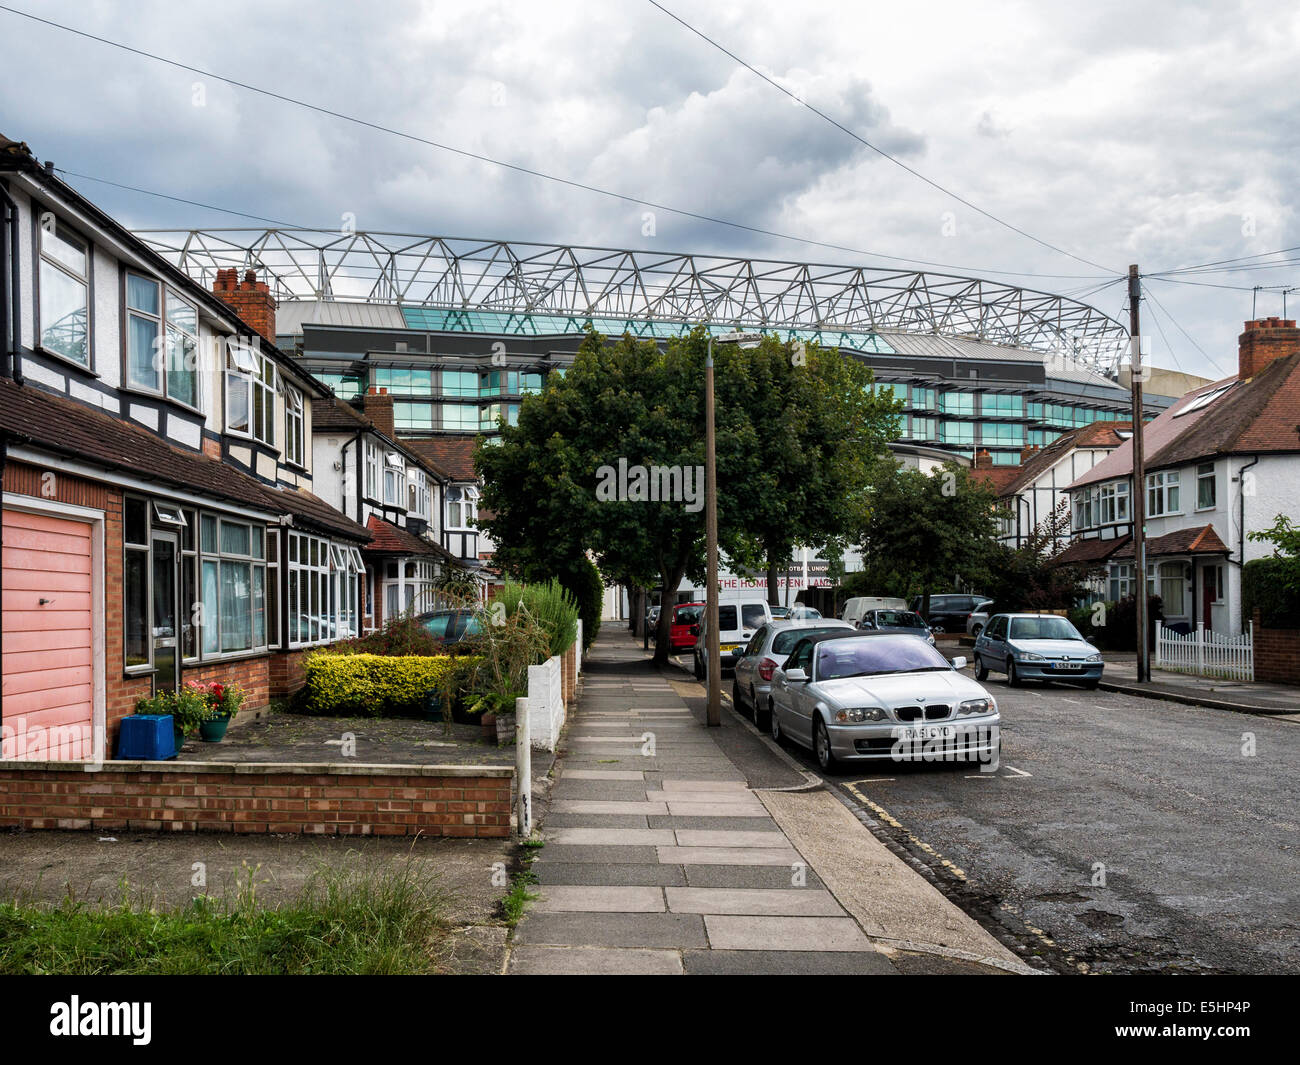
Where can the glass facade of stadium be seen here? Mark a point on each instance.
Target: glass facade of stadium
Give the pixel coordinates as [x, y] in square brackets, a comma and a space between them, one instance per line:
[459, 372]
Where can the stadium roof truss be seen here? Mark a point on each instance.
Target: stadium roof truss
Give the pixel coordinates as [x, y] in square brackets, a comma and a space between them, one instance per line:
[611, 285]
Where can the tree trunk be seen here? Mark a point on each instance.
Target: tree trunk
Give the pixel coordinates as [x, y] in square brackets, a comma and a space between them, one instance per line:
[663, 641]
[773, 592]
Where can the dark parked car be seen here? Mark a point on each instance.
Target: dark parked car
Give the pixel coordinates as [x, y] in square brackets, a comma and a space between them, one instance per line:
[450, 626]
[904, 621]
[948, 613]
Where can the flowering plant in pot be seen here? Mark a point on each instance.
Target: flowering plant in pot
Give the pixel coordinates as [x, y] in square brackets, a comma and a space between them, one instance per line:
[188, 709]
[221, 703]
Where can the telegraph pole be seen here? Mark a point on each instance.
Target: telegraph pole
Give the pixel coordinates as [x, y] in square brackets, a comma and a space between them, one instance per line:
[713, 714]
[1136, 374]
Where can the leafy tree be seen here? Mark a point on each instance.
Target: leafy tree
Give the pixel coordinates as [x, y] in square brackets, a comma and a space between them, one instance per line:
[926, 532]
[812, 433]
[1029, 577]
[1284, 535]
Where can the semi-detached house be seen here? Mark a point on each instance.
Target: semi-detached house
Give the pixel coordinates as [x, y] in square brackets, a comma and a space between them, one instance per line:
[160, 523]
[1221, 463]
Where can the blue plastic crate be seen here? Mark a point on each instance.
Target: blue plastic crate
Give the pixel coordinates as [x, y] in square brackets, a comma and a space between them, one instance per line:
[147, 737]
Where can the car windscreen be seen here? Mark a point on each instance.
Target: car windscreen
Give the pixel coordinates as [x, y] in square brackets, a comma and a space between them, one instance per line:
[1046, 628]
[785, 641]
[753, 615]
[899, 619]
[869, 656]
[436, 624]
[687, 615]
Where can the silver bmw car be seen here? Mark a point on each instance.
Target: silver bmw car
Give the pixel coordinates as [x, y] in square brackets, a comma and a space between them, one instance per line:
[880, 697]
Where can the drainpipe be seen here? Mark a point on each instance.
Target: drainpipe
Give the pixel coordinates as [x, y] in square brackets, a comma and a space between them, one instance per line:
[11, 320]
[4, 458]
[1240, 560]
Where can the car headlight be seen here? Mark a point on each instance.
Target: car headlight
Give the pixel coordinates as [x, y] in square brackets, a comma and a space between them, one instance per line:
[1029, 656]
[854, 715]
[1093, 658]
[930, 639]
[977, 706]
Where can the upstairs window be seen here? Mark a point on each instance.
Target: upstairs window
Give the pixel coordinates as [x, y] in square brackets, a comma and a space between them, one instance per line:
[1163, 493]
[250, 393]
[1114, 502]
[1206, 487]
[372, 471]
[65, 292]
[417, 493]
[161, 341]
[294, 435]
[462, 507]
[394, 479]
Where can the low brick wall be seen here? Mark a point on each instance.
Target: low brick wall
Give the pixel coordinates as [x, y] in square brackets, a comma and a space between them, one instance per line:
[322, 799]
[1277, 654]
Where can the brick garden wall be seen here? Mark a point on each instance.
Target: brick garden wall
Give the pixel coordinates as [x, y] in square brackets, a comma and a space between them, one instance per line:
[286, 673]
[326, 799]
[1277, 654]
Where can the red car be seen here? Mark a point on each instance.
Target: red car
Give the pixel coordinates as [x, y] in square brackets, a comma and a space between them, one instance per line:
[686, 617]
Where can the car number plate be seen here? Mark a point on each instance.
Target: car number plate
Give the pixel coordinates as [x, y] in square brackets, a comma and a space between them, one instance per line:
[728, 647]
[1069, 665]
[929, 732]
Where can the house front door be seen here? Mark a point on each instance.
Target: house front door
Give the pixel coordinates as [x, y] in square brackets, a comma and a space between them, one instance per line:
[166, 660]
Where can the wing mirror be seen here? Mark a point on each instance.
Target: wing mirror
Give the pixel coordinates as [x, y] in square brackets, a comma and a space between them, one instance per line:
[695, 630]
[959, 662]
[796, 676]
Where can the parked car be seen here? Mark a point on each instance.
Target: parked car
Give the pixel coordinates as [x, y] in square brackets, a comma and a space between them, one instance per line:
[765, 654]
[451, 625]
[980, 617]
[799, 612]
[779, 612]
[948, 613]
[904, 621]
[875, 696]
[737, 623]
[1042, 647]
[857, 606]
[685, 626]
[652, 617]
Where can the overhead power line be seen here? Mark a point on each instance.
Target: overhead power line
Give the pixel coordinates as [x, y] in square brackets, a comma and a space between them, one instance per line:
[875, 148]
[1206, 355]
[176, 199]
[517, 168]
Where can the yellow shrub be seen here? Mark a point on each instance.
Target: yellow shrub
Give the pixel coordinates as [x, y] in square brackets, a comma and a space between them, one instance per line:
[378, 685]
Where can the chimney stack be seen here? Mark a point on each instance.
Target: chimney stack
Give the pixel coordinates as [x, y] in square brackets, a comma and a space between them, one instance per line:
[1027, 453]
[377, 405]
[1265, 340]
[250, 298]
[983, 460]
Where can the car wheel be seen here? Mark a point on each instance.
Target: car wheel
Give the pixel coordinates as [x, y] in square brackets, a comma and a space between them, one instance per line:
[1013, 678]
[736, 703]
[753, 705]
[981, 670]
[822, 746]
[975, 631]
[937, 628]
[773, 723]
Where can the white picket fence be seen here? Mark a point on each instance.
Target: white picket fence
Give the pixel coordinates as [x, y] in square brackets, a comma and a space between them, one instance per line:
[1207, 654]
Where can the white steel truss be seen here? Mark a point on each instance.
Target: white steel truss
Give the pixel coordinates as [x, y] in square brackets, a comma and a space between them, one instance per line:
[608, 284]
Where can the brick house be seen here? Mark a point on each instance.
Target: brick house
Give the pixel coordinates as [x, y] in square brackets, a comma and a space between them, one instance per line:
[381, 482]
[159, 518]
[1221, 463]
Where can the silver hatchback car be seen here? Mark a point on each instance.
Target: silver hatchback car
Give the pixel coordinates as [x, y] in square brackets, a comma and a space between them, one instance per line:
[1042, 647]
[866, 697]
[765, 654]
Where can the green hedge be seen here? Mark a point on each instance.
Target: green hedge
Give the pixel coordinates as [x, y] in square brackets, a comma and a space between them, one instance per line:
[1263, 585]
[365, 685]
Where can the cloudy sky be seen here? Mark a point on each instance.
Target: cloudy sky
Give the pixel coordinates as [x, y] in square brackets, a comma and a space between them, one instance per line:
[1166, 134]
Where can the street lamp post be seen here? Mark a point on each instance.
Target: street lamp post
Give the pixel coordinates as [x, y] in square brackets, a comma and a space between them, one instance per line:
[713, 660]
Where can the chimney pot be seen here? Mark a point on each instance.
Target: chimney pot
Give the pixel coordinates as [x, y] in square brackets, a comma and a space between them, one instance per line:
[1264, 341]
[251, 299]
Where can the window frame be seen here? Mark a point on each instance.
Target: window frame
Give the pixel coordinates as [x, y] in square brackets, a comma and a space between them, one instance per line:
[1206, 472]
[1159, 486]
[295, 427]
[257, 388]
[45, 258]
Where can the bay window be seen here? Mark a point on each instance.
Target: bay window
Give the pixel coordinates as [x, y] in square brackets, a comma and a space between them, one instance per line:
[1120, 581]
[64, 282]
[1162, 493]
[250, 393]
[394, 479]
[1114, 502]
[294, 437]
[162, 333]
[417, 494]
[323, 589]
[232, 586]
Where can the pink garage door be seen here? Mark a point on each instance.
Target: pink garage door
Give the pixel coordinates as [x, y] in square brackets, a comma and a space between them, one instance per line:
[48, 682]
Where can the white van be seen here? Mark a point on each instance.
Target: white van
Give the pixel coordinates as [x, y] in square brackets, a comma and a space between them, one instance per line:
[738, 620]
[856, 607]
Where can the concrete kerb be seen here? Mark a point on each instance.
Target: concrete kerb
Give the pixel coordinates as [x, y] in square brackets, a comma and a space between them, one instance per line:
[1208, 702]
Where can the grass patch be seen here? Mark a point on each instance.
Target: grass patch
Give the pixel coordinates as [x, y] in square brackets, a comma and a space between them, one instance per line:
[370, 921]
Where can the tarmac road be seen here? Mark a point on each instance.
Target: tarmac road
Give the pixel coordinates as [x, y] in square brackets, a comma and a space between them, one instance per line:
[1120, 835]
